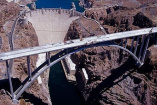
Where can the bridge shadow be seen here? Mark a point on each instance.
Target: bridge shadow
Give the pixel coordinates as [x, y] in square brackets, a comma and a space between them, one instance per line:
[5, 89]
[110, 81]
[31, 98]
[5, 84]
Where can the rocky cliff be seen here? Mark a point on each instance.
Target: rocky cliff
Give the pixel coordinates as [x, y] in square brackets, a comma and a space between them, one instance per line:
[23, 37]
[113, 77]
[110, 3]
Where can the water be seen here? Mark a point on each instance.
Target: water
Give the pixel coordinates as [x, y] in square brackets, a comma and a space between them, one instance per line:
[62, 92]
[66, 4]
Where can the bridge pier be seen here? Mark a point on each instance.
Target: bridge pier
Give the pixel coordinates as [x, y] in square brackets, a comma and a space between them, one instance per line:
[155, 39]
[136, 45]
[132, 44]
[146, 46]
[29, 68]
[10, 83]
[143, 39]
[121, 44]
[48, 58]
[126, 43]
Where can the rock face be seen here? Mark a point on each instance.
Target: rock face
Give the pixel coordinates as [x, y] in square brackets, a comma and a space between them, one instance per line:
[113, 77]
[110, 3]
[24, 36]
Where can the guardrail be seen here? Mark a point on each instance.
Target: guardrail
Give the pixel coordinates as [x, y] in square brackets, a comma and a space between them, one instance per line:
[71, 12]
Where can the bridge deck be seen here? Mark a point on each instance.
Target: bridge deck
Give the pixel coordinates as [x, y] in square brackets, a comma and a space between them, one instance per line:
[74, 43]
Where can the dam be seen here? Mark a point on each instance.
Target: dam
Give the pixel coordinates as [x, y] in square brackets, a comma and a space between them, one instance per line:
[51, 25]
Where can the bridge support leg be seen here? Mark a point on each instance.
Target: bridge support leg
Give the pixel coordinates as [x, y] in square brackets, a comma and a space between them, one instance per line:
[48, 57]
[121, 44]
[29, 68]
[139, 56]
[132, 45]
[155, 39]
[136, 45]
[10, 83]
[126, 42]
[145, 49]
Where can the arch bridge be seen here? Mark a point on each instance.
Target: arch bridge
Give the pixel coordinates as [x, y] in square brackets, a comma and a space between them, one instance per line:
[140, 41]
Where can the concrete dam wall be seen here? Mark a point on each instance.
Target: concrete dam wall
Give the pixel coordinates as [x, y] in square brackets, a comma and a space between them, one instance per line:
[51, 25]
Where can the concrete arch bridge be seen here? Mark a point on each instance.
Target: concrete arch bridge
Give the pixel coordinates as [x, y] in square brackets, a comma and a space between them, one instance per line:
[140, 41]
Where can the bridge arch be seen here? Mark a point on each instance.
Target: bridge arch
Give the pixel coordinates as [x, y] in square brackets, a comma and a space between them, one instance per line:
[58, 57]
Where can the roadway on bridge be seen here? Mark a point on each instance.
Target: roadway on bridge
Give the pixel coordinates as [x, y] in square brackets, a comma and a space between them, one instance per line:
[74, 43]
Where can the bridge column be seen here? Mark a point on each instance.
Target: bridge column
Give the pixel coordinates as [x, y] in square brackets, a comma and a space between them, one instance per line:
[10, 82]
[136, 44]
[139, 56]
[126, 42]
[29, 68]
[145, 49]
[48, 57]
[155, 38]
[132, 45]
[121, 44]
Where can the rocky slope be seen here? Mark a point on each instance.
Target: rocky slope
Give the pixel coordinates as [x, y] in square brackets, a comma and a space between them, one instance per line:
[110, 3]
[113, 77]
[23, 37]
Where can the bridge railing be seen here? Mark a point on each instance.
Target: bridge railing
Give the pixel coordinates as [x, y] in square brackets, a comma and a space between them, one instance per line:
[75, 43]
[71, 12]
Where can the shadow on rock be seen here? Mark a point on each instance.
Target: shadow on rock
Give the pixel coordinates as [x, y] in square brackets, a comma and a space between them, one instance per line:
[111, 80]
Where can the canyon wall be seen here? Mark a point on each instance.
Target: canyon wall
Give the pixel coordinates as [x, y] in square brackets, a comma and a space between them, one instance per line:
[23, 37]
[113, 77]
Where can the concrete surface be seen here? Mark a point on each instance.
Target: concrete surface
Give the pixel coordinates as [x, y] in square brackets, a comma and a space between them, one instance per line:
[50, 26]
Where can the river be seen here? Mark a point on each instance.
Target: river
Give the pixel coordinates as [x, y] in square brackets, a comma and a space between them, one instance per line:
[66, 4]
[62, 92]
